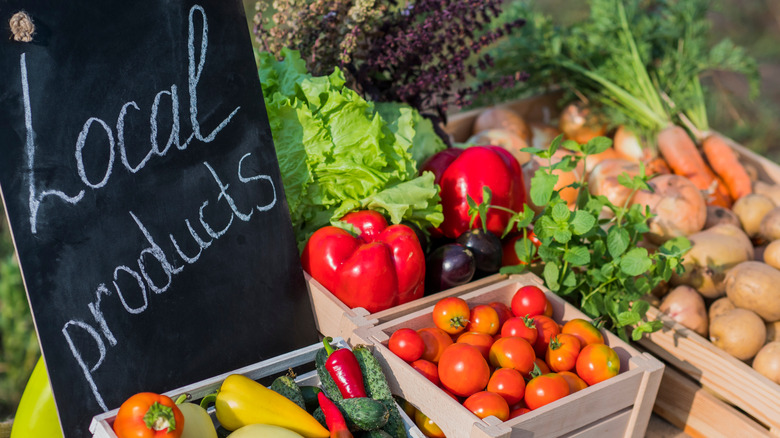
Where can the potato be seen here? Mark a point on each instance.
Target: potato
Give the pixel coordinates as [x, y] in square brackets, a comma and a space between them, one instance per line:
[686, 306]
[503, 118]
[770, 225]
[677, 204]
[543, 134]
[719, 307]
[506, 139]
[719, 215]
[603, 180]
[767, 361]
[772, 191]
[772, 254]
[773, 331]
[714, 251]
[751, 209]
[738, 332]
[755, 286]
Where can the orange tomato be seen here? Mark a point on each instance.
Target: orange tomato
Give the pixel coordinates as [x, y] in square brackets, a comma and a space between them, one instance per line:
[512, 352]
[521, 326]
[436, 340]
[562, 352]
[482, 341]
[507, 383]
[546, 328]
[543, 368]
[484, 404]
[483, 319]
[596, 363]
[427, 369]
[584, 330]
[462, 370]
[451, 314]
[545, 389]
[574, 381]
[427, 426]
[504, 312]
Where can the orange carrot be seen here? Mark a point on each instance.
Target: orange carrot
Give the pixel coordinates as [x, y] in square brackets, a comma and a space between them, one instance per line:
[726, 164]
[680, 152]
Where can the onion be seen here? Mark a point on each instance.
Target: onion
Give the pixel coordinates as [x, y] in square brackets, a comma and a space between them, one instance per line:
[577, 124]
[504, 138]
[603, 180]
[627, 145]
[677, 204]
[543, 134]
[502, 118]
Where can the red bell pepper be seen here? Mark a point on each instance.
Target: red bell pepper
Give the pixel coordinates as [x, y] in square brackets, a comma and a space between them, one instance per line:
[382, 267]
[466, 175]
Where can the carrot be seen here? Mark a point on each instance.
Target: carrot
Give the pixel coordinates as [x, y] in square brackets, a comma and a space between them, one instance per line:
[726, 164]
[680, 152]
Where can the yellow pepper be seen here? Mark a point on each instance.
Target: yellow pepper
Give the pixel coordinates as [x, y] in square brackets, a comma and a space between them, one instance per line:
[241, 401]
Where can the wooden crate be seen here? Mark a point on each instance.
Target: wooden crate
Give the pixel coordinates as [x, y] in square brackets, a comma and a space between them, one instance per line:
[620, 406]
[101, 424]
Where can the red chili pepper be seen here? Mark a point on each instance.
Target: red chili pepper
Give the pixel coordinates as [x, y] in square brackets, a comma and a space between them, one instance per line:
[345, 370]
[333, 418]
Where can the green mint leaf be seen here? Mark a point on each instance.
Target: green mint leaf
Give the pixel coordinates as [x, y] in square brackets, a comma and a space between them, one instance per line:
[542, 187]
[534, 151]
[525, 250]
[545, 227]
[562, 235]
[640, 307]
[577, 256]
[617, 241]
[525, 217]
[513, 269]
[635, 262]
[547, 253]
[627, 318]
[676, 247]
[582, 222]
[572, 146]
[570, 279]
[560, 213]
[597, 145]
[551, 272]
[625, 180]
[556, 143]
[567, 163]
[646, 327]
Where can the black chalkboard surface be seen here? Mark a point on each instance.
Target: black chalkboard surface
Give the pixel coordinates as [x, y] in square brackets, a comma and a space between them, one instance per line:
[138, 172]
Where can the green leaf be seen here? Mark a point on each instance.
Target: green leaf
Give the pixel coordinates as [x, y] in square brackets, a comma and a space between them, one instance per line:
[597, 145]
[525, 250]
[534, 151]
[560, 213]
[513, 269]
[646, 327]
[525, 217]
[572, 146]
[582, 222]
[562, 235]
[635, 262]
[548, 253]
[577, 256]
[627, 318]
[617, 241]
[542, 187]
[551, 272]
[554, 145]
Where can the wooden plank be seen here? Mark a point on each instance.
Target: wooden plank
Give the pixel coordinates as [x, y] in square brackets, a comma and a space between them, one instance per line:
[643, 405]
[614, 425]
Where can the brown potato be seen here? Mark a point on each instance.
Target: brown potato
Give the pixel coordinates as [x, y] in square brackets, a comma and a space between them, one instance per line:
[686, 306]
[738, 332]
[751, 209]
[503, 118]
[767, 361]
[719, 215]
[772, 191]
[772, 254]
[603, 180]
[677, 204]
[770, 225]
[755, 286]
[719, 307]
[543, 134]
[773, 331]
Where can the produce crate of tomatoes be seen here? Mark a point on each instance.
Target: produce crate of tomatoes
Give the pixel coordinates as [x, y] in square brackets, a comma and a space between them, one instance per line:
[512, 356]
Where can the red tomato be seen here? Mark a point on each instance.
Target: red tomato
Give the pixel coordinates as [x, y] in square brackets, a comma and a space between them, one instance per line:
[584, 330]
[428, 369]
[483, 319]
[507, 383]
[543, 368]
[512, 352]
[484, 404]
[528, 300]
[407, 344]
[436, 340]
[451, 314]
[547, 328]
[520, 326]
[574, 381]
[596, 363]
[508, 252]
[504, 312]
[427, 426]
[482, 341]
[462, 370]
[548, 310]
[562, 352]
[518, 412]
[131, 419]
[545, 389]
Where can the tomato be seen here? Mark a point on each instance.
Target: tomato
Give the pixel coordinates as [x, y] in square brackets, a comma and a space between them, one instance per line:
[548, 310]
[508, 252]
[584, 330]
[428, 369]
[521, 326]
[562, 352]
[596, 363]
[164, 417]
[408, 408]
[484, 404]
[574, 381]
[545, 389]
[482, 341]
[528, 300]
[451, 314]
[483, 319]
[407, 344]
[427, 426]
[512, 352]
[463, 370]
[546, 328]
[436, 340]
[504, 312]
[507, 383]
[543, 368]
[518, 412]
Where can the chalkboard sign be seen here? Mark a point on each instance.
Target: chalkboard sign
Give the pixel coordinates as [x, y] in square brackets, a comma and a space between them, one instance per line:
[139, 176]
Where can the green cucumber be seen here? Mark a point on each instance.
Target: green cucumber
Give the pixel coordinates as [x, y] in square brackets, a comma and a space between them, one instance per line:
[326, 381]
[286, 386]
[395, 424]
[379, 433]
[378, 389]
[309, 394]
[360, 413]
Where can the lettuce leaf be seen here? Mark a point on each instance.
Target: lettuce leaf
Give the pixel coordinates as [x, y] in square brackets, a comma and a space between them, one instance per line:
[338, 152]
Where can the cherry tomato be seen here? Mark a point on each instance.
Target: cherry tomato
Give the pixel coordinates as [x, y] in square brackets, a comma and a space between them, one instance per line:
[584, 330]
[507, 383]
[436, 340]
[407, 344]
[463, 370]
[166, 417]
[428, 369]
[528, 300]
[484, 404]
[543, 368]
[512, 352]
[427, 426]
[596, 363]
[482, 341]
[562, 352]
[451, 314]
[520, 326]
[546, 328]
[504, 312]
[545, 389]
[574, 381]
[483, 319]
